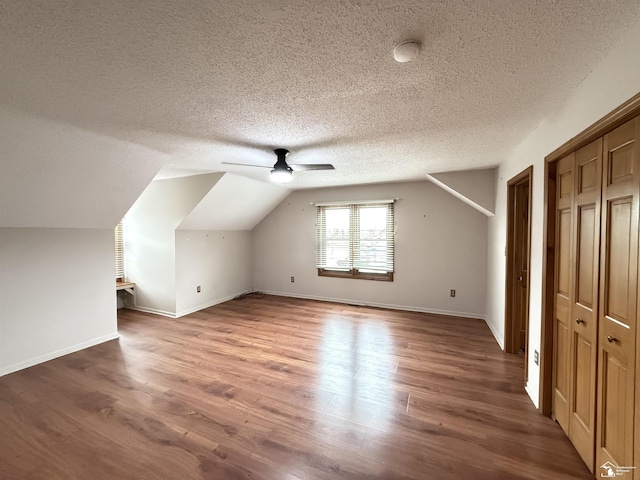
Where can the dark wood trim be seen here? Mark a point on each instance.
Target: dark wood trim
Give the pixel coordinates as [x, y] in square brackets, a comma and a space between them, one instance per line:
[620, 115]
[509, 333]
[355, 273]
[548, 273]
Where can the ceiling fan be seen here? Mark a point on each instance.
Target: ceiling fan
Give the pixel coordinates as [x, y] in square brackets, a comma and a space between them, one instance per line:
[281, 171]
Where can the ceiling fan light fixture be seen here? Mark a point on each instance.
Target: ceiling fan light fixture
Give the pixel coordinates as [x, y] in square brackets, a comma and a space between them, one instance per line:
[282, 172]
[281, 175]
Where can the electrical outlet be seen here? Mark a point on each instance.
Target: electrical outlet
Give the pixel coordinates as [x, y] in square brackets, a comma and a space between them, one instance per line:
[536, 357]
[293, 279]
[453, 293]
[198, 289]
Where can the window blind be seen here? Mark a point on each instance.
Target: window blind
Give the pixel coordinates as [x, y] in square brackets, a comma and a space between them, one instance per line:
[357, 238]
[119, 252]
[372, 238]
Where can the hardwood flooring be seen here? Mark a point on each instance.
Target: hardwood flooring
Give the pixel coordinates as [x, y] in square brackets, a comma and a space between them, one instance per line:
[280, 388]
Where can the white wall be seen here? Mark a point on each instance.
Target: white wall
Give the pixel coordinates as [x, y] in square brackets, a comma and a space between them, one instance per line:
[150, 228]
[56, 293]
[218, 261]
[62, 191]
[441, 244]
[150, 263]
[615, 80]
[55, 175]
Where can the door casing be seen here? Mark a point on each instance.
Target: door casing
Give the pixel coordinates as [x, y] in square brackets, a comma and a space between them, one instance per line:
[511, 340]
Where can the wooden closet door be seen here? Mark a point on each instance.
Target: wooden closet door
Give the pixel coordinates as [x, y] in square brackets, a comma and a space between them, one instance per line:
[564, 287]
[618, 293]
[584, 296]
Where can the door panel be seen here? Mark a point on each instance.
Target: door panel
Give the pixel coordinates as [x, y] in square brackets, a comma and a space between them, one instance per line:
[587, 244]
[564, 256]
[615, 426]
[621, 164]
[616, 305]
[564, 285]
[589, 169]
[584, 318]
[584, 395]
[618, 297]
[562, 372]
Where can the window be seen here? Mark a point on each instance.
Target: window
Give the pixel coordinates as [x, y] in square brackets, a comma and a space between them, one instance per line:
[119, 253]
[356, 240]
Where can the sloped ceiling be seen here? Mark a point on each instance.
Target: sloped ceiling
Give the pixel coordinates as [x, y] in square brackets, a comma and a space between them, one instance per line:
[476, 188]
[234, 203]
[207, 82]
[59, 176]
[165, 204]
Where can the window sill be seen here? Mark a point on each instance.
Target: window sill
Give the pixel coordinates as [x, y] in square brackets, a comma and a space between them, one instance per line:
[382, 277]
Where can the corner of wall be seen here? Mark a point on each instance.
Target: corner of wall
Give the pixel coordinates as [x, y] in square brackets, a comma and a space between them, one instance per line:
[498, 336]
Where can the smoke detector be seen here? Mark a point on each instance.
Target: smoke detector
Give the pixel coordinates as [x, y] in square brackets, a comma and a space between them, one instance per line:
[406, 51]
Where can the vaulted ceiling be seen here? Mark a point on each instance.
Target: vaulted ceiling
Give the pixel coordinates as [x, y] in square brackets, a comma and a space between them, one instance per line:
[206, 82]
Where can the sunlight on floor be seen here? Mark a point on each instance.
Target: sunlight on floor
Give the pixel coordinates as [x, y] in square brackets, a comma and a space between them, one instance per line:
[357, 365]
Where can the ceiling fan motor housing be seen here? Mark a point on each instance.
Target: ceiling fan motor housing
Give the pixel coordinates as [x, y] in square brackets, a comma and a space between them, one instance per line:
[281, 163]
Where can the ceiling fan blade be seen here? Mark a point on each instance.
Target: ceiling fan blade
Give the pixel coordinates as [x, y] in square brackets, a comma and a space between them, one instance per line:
[301, 167]
[247, 164]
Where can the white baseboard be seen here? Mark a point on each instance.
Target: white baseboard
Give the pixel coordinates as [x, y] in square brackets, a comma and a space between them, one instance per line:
[450, 313]
[406, 308]
[210, 304]
[182, 313]
[164, 313]
[533, 397]
[58, 353]
[498, 338]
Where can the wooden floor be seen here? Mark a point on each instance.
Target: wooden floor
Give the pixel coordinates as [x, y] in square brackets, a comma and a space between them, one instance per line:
[286, 389]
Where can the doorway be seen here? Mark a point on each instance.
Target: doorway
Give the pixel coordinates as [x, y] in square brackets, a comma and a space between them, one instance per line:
[518, 261]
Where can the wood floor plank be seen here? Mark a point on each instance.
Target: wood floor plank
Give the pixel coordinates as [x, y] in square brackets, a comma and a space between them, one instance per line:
[282, 388]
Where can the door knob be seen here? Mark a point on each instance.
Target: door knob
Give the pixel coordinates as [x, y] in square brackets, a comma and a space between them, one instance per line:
[579, 321]
[611, 339]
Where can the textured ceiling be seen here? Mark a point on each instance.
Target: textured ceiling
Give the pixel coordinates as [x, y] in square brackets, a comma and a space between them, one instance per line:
[209, 81]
